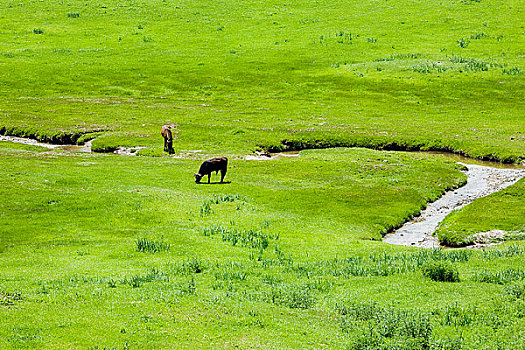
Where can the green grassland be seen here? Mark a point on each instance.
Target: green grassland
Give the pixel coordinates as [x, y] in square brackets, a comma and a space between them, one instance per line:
[235, 75]
[126, 252]
[101, 251]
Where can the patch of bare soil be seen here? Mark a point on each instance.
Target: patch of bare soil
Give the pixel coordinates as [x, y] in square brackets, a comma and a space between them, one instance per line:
[482, 181]
[272, 156]
[128, 151]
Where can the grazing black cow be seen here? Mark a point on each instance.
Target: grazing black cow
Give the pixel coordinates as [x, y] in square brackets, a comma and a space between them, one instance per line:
[168, 139]
[214, 164]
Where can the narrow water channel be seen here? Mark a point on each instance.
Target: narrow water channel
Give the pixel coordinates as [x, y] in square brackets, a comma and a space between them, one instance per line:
[85, 148]
[483, 178]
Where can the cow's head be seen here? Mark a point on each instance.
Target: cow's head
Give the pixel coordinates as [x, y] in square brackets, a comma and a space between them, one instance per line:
[198, 178]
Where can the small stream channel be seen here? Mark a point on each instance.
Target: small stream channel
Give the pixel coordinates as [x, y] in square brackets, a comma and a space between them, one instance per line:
[85, 148]
[483, 178]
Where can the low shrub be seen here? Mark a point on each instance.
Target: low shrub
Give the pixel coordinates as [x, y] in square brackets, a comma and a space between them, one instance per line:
[441, 271]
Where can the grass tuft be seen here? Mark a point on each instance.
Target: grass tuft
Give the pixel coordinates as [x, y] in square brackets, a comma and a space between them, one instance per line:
[147, 246]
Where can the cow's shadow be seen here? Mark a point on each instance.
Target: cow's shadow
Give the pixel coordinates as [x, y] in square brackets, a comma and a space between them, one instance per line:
[215, 183]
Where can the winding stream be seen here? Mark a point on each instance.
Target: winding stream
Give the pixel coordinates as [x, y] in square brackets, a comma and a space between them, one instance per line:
[483, 178]
[85, 148]
[481, 181]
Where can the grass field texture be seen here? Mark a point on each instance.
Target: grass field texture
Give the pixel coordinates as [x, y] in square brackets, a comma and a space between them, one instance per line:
[101, 251]
[236, 75]
[126, 252]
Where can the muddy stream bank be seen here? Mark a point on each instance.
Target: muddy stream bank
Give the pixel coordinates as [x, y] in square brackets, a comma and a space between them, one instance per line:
[483, 178]
[85, 148]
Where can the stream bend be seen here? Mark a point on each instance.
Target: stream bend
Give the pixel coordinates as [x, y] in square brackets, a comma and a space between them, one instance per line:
[481, 181]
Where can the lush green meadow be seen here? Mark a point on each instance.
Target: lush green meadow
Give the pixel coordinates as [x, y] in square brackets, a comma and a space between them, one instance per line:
[127, 252]
[105, 251]
[238, 74]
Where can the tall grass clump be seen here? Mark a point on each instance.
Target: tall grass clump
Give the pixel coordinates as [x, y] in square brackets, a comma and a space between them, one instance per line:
[188, 287]
[193, 265]
[500, 277]
[427, 68]
[512, 250]
[225, 198]
[511, 71]
[188, 266]
[152, 275]
[473, 65]
[245, 238]
[146, 246]
[206, 208]
[457, 316]
[382, 264]
[407, 329]
[515, 290]
[463, 43]
[441, 271]
[294, 296]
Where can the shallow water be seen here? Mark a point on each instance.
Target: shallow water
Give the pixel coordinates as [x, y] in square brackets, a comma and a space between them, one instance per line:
[482, 181]
[70, 148]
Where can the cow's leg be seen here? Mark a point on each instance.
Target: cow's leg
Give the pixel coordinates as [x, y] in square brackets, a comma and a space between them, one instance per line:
[209, 175]
[165, 144]
[223, 174]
